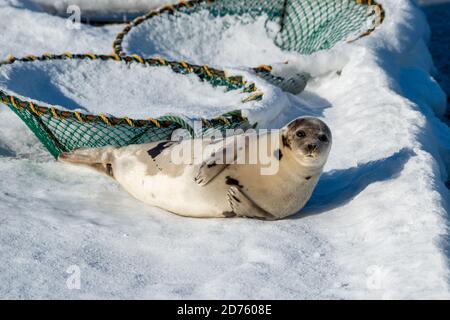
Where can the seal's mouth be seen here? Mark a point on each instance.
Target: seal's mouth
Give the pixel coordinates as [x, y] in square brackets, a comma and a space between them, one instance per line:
[310, 155]
[308, 158]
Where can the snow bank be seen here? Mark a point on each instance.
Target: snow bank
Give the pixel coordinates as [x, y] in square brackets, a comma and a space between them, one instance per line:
[27, 32]
[376, 226]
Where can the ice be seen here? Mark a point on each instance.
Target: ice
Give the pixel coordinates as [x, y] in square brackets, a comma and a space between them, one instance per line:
[376, 226]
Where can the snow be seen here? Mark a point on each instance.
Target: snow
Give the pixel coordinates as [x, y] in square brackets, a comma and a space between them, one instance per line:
[103, 5]
[376, 226]
[38, 33]
[223, 41]
[97, 10]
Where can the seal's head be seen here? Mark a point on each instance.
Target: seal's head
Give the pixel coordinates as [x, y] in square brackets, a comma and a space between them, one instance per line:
[309, 139]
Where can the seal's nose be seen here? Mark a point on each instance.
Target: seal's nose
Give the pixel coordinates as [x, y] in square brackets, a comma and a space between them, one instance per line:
[311, 147]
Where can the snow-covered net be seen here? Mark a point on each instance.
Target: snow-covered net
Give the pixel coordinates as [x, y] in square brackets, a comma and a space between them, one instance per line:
[303, 26]
[62, 129]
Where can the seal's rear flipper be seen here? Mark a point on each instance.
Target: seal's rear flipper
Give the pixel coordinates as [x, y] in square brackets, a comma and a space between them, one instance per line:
[98, 159]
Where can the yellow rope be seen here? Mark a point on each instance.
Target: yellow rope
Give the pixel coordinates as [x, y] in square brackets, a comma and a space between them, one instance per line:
[161, 61]
[78, 116]
[156, 122]
[208, 72]
[55, 114]
[104, 119]
[130, 123]
[264, 67]
[185, 66]
[91, 55]
[206, 123]
[224, 120]
[13, 101]
[183, 3]
[138, 20]
[168, 7]
[138, 58]
[379, 15]
[369, 2]
[253, 97]
[31, 57]
[33, 109]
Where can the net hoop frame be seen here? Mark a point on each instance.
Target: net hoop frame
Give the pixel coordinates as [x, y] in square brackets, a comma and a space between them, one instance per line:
[205, 74]
[172, 8]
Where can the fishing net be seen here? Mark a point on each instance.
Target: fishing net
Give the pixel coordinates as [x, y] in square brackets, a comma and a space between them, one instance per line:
[303, 26]
[62, 130]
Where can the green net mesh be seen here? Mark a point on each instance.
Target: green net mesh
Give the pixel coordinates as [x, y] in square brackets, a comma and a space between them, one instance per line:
[63, 131]
[305, 26]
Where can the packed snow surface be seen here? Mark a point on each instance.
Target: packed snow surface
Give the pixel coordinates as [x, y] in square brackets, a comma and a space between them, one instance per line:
[376, 226]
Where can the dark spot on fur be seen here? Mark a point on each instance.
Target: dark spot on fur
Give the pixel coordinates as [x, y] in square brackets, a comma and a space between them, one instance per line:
[152, 195]
[308, 178]
[286, 142]
[109, 170]
[229, 214]
[233, 182]
[212, 165]
[159, 148]
[278, 154]
[236, 199]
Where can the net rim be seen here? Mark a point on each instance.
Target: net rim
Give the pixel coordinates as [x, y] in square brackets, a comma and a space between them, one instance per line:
[172, 8]
[204, 73]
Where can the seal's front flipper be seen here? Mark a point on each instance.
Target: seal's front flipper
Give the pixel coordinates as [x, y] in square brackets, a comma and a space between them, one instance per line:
[243, 206]
[98, 159]
[208, 171]
[214, 165]
[220, 159]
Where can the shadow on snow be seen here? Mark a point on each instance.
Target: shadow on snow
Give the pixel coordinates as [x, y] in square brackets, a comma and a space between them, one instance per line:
[338, 187]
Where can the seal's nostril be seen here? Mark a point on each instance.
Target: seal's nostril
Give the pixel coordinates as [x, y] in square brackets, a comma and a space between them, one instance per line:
[312, 147]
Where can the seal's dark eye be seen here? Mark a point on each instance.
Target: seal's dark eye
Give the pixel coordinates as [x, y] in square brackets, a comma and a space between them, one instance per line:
[323, 138]
[301, 134]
